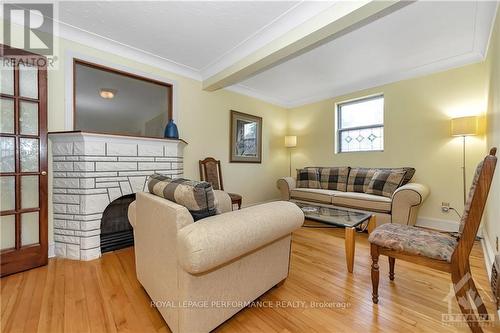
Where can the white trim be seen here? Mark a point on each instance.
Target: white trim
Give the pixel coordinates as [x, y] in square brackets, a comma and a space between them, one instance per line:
[289, 20]
[477, 53]
[489, 254]
[109, 45]
[438, 224]
[244, 90]
[52, 250]
[68, 83]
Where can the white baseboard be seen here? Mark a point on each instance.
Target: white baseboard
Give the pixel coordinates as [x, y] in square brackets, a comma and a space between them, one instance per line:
[52, 250]
[489, 255]
[438, 224]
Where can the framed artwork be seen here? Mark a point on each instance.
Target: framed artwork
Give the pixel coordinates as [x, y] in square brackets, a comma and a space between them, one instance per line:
[246, 138]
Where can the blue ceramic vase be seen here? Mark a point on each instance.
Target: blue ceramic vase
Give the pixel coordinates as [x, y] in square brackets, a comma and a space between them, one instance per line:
[171, 130]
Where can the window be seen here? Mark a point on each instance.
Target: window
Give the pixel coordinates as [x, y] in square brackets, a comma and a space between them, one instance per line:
[360, 125]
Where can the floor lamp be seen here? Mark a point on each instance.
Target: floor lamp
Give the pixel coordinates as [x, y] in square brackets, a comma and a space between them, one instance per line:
[464, 127]
[290, 142]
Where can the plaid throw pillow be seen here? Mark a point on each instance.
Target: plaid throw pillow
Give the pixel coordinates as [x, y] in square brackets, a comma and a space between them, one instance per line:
[334, 178]
[308, 178]
[385, 182]
[359, 178]
[197, 197]
[409, 173]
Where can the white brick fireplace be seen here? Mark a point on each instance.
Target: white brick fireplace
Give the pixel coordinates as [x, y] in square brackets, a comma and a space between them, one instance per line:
[91, 170]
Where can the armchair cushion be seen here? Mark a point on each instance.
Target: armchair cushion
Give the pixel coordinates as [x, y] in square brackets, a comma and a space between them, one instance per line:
[219, 239]
[197, 197]
[413, 240]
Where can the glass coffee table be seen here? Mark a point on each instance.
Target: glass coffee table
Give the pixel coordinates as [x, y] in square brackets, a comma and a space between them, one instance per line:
[339, 217]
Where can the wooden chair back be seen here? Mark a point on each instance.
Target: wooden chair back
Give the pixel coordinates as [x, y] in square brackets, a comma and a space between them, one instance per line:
[210, 171]
[474, 209]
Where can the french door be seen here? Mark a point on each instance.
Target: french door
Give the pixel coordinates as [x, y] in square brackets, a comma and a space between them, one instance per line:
[23, 161]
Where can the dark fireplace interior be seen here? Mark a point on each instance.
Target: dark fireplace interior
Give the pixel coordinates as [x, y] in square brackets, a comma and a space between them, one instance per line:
[116, 231]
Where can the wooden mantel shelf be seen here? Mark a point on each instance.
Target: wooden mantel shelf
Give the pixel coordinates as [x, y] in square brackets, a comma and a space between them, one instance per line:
[104, 135]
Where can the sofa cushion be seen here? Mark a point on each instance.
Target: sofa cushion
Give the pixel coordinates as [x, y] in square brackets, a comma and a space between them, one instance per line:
[308, 178]
[385, 182]
[313, 194]
[359, 178]
[334, 178]
[362, 201]
[408, 173]
[197, 197]
[417, 241]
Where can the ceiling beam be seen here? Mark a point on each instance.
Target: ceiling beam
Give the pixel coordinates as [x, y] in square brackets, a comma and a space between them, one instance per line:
[337, 20]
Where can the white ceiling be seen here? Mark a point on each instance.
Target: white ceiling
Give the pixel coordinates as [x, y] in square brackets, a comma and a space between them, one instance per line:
[191, 33]
[420, 38]
[198, 39]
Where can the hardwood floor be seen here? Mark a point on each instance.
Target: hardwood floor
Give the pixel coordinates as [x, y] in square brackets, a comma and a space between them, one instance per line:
[104, 295]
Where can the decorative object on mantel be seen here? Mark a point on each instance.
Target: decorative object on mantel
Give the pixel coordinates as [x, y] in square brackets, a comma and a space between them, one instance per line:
[171, 130]
[464, 127]
[246, 138]
[290, 142]
[210, 171]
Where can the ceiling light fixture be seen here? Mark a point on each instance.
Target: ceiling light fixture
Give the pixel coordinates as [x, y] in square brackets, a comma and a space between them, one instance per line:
[107, 93]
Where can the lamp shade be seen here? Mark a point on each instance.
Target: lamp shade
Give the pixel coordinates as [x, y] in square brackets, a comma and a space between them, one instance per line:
[290, 141]
[465, 126]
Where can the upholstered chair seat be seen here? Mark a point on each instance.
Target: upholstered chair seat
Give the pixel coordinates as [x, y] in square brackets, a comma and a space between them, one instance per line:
[413, 240]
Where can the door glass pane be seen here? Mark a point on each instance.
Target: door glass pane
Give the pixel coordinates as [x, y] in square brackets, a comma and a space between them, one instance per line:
[28, 81]
[7, 193]
[29, 228]
[29, 192]
[28, 118]
[8, 232]
[7, 81]
[29, 155]
[7, 154]
[7, 115]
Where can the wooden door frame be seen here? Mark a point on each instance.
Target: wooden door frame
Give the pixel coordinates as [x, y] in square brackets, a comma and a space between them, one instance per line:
[77, 61]
[27, 257]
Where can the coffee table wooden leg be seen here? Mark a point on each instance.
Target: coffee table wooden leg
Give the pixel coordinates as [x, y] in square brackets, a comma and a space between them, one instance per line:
[349, 247]
[372, 224]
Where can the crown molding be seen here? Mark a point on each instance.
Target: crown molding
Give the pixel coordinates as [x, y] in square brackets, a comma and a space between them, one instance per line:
[247, 91]
[483, 29]
[287, 21]
[102, 43]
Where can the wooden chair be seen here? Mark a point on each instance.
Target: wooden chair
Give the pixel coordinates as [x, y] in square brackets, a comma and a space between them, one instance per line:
[438, 250]
[210, 171]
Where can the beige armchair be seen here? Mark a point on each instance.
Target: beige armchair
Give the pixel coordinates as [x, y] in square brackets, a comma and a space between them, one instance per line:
[200, 274]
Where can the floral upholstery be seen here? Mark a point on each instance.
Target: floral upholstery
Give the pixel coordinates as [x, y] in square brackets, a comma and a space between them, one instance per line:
[413, 240]
[468, 203]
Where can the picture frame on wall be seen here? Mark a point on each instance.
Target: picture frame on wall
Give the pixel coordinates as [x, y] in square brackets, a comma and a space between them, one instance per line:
[245, 138]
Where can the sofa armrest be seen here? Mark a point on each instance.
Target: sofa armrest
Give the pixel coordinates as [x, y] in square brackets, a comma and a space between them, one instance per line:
[285, 185]
[406, 201]
[224, 204]
[218, 239]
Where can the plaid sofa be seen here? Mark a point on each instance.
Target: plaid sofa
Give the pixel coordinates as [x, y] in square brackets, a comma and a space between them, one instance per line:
[387, 192]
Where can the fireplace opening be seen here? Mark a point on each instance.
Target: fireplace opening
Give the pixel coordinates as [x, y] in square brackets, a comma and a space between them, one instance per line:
[116, 231]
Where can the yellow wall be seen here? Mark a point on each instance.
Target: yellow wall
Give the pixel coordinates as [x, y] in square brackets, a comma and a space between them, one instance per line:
[417, 133]
[203, 123]
[491, 219]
